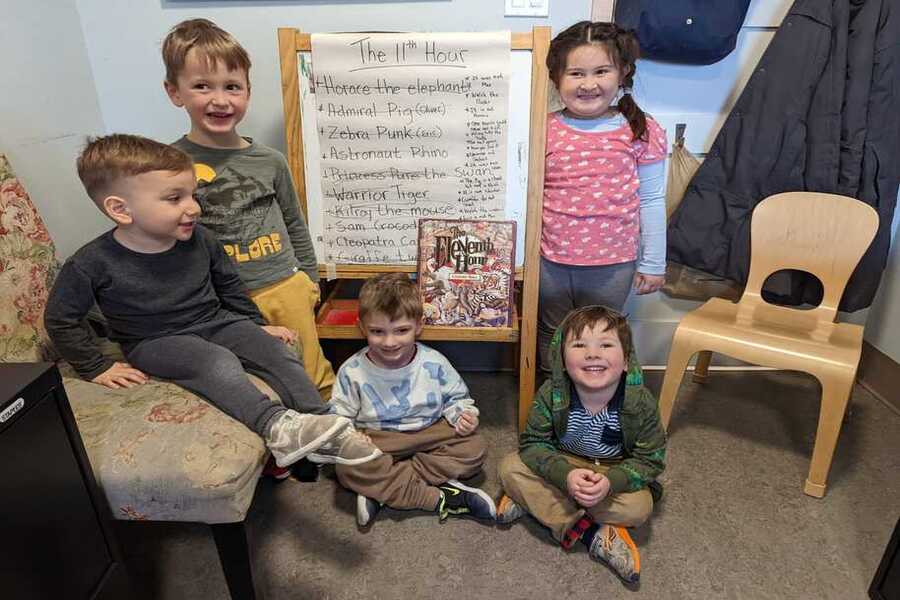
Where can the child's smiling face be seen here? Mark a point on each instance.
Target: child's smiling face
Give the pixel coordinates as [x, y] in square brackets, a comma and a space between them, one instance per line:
[594, 360]
[589, 82]
[214, 97]
[392, 342]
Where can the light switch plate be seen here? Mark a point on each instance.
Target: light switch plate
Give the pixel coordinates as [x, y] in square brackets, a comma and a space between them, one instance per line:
[527, 8]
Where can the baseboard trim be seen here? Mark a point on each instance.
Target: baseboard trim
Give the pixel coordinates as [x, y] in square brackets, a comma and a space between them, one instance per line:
[880, 375]
[715, 368]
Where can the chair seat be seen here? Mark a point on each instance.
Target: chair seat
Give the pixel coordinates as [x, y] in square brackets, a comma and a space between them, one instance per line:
[160, 453]
[772, 336]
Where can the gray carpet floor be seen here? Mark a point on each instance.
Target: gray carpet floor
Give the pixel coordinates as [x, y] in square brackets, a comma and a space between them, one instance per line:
[734, 522]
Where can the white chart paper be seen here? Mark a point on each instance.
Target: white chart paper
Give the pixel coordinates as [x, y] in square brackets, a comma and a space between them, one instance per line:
[410, 126]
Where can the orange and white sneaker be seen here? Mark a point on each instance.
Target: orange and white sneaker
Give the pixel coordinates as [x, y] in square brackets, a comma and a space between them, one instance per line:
[508, 510]
[613, 547]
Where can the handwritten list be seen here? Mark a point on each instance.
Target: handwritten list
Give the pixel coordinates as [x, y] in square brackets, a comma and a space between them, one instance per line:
[410, 126]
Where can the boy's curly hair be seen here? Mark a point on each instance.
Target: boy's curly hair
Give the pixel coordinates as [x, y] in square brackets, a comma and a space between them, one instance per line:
[109, 159]
[213, 44]
[392, 294]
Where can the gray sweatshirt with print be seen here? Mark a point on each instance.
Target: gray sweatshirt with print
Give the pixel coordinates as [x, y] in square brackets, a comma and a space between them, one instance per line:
[249, 202]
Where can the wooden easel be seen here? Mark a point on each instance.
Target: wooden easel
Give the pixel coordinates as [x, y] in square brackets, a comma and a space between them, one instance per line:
[524, 330]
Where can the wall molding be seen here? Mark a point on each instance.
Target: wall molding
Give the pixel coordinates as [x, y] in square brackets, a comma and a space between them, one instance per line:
[880, 375]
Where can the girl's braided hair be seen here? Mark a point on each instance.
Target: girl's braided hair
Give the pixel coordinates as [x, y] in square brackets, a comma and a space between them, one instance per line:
[623, 49]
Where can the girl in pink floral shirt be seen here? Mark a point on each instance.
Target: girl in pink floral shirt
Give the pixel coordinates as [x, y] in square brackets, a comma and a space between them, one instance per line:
[604, 207]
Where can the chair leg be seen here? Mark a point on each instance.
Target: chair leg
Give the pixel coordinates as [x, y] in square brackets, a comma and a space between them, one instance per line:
[234, 554]
[835, 395]
[701, 369]
[679, 356]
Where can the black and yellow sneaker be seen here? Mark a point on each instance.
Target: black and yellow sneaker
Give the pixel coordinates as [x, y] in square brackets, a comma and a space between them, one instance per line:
[461, 500]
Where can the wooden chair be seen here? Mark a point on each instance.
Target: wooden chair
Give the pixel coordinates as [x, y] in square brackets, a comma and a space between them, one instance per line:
[823, 234]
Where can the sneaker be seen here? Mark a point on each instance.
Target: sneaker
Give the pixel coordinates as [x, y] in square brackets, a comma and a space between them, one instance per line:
[274, 471]
[366, 509]
[458, 499]
[349, 447]
[294, 435]
[508, 511]
[613, 547]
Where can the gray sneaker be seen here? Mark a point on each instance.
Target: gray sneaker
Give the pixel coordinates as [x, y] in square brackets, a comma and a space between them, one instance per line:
[348, 447]
[294, 435]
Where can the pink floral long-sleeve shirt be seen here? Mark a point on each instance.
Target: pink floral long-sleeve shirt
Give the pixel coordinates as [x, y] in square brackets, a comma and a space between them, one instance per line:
[591, 213]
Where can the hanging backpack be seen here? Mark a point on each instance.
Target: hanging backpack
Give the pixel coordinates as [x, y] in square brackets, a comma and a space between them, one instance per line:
[696, 32]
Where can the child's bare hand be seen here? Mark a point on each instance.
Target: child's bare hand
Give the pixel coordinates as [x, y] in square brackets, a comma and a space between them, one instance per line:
[282, 333]
[647, 284]
[121, 375]
[466, 424]
[587, 487]
[593, 495]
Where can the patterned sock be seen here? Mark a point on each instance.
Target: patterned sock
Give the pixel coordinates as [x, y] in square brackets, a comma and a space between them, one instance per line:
[577, 531]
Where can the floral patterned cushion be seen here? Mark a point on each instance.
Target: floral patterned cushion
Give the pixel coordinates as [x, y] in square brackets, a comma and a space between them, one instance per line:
[27, 268]
[158, 452]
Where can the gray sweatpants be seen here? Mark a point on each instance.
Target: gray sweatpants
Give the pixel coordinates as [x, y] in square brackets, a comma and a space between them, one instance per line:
[565, 288]
[211, 361]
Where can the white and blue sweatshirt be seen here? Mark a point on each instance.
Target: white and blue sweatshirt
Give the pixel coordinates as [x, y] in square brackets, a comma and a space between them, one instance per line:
[410, 398]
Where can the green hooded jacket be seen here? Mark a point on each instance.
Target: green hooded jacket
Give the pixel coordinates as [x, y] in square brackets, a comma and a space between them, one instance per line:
[643, 438]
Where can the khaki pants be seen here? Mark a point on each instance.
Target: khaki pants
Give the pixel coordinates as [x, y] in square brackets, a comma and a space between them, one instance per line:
[556, 510]
[291, 303]
[413, 464]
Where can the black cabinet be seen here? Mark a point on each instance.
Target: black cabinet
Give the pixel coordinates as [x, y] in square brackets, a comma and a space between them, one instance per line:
[55, 539]
[886, 583]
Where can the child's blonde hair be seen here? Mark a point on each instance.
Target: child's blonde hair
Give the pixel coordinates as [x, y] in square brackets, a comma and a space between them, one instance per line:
[587, 317]
[109, 159]
[392, 294]
[213, 44]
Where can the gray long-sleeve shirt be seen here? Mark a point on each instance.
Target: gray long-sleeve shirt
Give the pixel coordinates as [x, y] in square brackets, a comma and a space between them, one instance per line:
[185, 288]
[249, 202]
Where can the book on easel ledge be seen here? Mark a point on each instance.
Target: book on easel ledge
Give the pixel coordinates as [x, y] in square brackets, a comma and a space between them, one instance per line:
[465, 272]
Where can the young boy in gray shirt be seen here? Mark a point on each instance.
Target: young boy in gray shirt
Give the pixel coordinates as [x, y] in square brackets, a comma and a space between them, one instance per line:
[176, 305]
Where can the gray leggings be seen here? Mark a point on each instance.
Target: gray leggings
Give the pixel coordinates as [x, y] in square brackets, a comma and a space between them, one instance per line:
[565, 288]
[211, 362]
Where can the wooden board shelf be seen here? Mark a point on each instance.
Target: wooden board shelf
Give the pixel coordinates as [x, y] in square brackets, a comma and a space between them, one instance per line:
[349, 331]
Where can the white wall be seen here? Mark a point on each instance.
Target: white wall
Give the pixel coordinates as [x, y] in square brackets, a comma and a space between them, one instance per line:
[699, 96]
[132, 73]
[883, 325]
[122, 71]
[47, 107]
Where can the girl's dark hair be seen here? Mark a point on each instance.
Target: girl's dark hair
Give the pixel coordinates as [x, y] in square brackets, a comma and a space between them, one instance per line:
[623, 49]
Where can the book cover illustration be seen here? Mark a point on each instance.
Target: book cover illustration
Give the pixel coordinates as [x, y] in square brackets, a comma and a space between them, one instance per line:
[465, 272]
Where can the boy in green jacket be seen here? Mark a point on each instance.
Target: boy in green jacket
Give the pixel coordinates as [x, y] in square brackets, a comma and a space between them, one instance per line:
[593, 444]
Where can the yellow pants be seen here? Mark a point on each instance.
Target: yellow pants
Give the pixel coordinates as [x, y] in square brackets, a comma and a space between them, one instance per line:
[291, 303]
